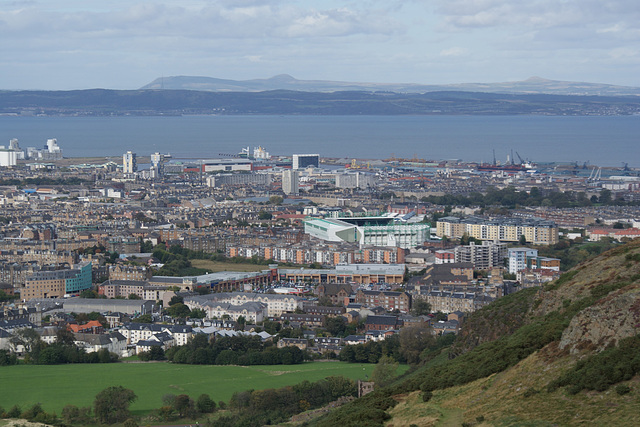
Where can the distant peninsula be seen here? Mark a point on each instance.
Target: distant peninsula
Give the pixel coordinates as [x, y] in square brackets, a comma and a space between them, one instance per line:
[285, 95]
[157, 102]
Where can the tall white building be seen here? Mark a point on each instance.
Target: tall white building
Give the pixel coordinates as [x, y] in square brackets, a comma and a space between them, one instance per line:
[129, 163]
[518, 258]
[8, 158]
[483, 257]
[157, 164]
[290, 182]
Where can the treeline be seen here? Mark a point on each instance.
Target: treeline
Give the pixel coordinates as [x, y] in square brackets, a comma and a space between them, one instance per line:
[372, 351]
[177, 262]
[238, 350]
[511, 198]
[34, 414]
[272, 406]
[43, 181]
[572, 253]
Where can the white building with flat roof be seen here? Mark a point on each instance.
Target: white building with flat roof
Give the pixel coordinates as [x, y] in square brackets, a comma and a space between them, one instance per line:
[377, 231]
[302, 161]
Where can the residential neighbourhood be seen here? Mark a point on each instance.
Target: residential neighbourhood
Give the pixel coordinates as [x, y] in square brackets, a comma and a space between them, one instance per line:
[119, 256]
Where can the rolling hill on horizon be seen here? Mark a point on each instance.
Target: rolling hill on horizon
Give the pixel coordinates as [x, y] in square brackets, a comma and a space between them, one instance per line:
[532, 85]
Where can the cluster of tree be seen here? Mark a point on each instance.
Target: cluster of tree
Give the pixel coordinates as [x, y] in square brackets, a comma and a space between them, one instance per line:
[4, 297]
[182, 406]
[91, 294]
[369, 410]
[510, 198]
[178, 310]
[177, 262]
[572, 253]
[156, 353]
[64, 350]
[372, 351]
[338, 327]
[273, 406]
[239, 350]
[407, 346]
[7, 358]
[34, 414]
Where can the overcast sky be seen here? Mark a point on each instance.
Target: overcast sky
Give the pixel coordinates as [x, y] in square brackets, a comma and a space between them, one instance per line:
[125, 44]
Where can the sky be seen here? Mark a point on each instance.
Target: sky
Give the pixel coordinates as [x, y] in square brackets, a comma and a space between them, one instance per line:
[125, 44]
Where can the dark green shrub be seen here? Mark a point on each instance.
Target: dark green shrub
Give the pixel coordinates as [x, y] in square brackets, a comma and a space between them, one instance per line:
[600, 371]
[622, 389]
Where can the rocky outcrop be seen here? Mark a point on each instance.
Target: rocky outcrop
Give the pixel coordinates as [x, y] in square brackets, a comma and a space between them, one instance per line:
[605, 323]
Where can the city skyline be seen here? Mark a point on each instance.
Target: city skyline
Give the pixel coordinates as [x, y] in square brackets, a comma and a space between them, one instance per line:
[124, 45]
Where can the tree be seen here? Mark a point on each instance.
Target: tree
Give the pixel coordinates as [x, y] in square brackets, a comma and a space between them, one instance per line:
[205, 404]
[336, 325]
[523, 239]
[413, 340]
[184, 405]
[178, 310]
[112, 404]
[264, 215]
[275, 200]
[241, 322]
[197, 313]
[6, 297]
[30, 341]
[176, 299]
[605, 196]
[421, 307]
[65, 337]
[134, 296]
[145, 318]
[385, 371]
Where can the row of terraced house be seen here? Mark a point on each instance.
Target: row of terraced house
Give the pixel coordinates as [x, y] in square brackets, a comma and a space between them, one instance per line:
[324, 254]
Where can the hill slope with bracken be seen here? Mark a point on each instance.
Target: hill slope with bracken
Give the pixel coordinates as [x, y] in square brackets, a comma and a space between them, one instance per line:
[566, 354]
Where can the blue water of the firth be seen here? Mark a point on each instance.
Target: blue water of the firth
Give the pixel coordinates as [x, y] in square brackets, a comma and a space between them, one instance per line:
[605, 141]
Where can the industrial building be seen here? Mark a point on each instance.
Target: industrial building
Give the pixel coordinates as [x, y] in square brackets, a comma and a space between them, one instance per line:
[240, 179]
[302, 161]
[227, 165]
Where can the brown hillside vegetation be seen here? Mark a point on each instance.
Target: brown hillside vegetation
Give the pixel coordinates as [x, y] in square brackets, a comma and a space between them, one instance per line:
[569, 354]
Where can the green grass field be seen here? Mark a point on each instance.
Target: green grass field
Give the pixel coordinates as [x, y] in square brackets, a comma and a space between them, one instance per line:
[58, 385]
[216, 266]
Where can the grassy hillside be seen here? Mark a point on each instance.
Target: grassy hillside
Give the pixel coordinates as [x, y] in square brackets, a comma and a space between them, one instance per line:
[567, 354]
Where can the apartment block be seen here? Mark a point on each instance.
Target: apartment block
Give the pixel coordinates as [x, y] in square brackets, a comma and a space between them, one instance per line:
[503, 229]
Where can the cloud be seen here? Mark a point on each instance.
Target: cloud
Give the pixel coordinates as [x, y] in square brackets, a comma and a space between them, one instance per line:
[454, 51]
[230, 20]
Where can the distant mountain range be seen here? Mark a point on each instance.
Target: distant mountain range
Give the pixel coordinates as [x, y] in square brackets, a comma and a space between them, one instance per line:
[533, 85]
